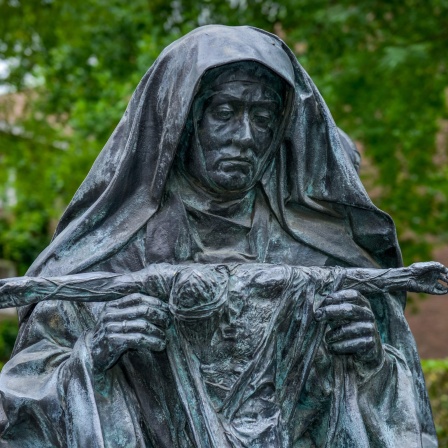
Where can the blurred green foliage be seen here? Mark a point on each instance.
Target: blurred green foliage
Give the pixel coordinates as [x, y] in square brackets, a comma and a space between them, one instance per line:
[436, 375]
[381, 66]
[8, 334]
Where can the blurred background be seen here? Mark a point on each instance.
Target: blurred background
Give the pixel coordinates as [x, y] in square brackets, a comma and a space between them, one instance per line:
[68, 68]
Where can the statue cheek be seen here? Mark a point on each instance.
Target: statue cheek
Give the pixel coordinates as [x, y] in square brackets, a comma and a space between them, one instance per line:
[215, 137]
[225, 132]
[263, 142]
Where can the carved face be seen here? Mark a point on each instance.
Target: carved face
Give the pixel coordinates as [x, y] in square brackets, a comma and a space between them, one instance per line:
[237, 125]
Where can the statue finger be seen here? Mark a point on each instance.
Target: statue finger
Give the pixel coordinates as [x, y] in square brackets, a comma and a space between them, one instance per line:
[439, 267]
[353, 346]
[155, 302]
[138, 341]
[344, 312]
[350, 331]
[346, 296]
[130, 300]
[139, 299]
[152, 314]
[135, 326]
[439, 290]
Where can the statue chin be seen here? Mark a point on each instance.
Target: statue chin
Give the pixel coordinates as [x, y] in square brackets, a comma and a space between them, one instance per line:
[233, 181]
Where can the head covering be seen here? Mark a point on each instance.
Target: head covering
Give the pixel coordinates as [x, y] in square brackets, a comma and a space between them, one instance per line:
[310, 184]
[351, 150]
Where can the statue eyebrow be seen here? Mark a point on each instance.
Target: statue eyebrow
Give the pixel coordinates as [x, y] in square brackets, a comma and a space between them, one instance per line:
[223, 97]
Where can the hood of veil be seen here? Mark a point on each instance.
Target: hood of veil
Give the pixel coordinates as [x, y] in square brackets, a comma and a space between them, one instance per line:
[125, 185]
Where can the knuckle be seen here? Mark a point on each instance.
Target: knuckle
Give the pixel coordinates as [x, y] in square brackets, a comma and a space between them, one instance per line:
[131, 299]
[353, 294]
[159, 346]
[139, 324]
[151, 300]
[363, 300]
[149, 328]
[108, 316]
[348, 294]
[336, 348]
[341, 294]
[153, 314]
[140, 310]
[108, 327]
[134, 296]
[365, 328]
[346, 309]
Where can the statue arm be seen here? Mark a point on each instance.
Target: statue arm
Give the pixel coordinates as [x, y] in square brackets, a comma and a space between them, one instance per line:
[157, 280]
[419, 277]
[352, 324]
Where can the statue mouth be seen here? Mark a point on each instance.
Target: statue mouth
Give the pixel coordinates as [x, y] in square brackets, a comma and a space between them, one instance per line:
[237, 163]
[229, 332]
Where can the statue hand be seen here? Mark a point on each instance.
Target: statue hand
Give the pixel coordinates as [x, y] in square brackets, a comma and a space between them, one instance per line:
[352, 325]
[12, 290]
[135, 322]
[425, 277]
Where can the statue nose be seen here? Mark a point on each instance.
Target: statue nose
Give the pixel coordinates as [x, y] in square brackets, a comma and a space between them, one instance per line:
[243, 136]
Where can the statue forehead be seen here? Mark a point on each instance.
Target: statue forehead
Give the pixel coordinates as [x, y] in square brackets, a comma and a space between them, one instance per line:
[242, 78]
[246, 91]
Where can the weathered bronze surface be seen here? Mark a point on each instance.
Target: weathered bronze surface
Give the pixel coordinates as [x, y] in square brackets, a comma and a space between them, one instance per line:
[221, 278]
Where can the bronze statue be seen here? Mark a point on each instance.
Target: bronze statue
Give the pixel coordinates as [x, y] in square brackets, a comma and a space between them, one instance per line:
[221, 278]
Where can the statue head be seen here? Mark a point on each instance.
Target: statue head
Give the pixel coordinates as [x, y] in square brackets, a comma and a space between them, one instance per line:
[234, 126]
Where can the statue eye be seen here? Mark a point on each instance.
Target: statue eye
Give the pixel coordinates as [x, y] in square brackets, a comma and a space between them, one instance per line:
[262, 118]
[223, 113]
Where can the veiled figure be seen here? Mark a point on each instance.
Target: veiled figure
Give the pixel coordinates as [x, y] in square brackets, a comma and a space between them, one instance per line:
[226, 154]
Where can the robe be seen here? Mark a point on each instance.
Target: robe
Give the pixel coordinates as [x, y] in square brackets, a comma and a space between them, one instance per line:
[248, 370]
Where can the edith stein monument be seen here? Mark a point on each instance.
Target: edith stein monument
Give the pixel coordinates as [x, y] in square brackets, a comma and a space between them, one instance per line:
[221, 278]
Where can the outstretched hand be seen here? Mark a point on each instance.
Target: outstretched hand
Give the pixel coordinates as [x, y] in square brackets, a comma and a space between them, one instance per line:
[12, 291]
[426, 277]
